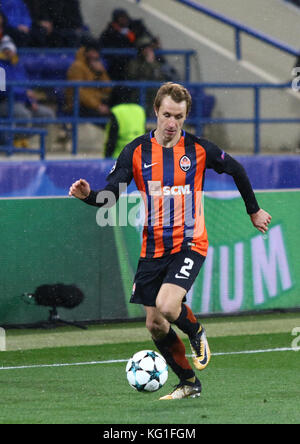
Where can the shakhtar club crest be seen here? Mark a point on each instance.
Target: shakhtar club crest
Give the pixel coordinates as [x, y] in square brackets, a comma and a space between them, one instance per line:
[185, 163]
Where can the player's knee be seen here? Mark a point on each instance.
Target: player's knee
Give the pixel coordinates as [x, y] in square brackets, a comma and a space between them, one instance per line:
[153, 326]
[168, 311]
[156, 328]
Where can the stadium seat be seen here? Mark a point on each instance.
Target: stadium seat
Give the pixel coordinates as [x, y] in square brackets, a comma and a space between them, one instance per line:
[205, 102]
[50, 66]
[47, 66]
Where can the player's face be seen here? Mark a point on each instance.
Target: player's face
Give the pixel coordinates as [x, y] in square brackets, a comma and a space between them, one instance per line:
[170, 119]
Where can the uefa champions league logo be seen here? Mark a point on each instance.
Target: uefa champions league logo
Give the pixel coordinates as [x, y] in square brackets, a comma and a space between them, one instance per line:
[2, 80]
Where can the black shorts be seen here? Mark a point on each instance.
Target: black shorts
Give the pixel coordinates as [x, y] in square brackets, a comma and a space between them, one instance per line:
[180, 269]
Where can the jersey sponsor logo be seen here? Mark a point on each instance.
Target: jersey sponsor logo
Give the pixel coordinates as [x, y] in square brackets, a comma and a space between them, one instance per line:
[185, 163]
[177, 190]
[155, 189]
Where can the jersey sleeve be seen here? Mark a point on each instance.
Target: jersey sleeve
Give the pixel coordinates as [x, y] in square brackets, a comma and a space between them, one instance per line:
[118, 179]
[112, 137]
[122, 170]
[222, 162]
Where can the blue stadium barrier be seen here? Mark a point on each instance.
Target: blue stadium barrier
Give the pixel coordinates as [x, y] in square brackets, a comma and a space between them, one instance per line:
[9, 134]
[53, 63]
[204, 110]
[200, 115]
[240, 29]
[54, 177]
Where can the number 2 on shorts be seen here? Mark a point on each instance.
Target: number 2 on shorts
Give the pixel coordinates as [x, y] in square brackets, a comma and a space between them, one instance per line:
[185, 269]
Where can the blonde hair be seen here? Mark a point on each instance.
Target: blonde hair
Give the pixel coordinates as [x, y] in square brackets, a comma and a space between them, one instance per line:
[177, 92]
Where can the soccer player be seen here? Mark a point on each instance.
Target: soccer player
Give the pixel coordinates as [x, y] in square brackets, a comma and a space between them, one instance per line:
[168, 166]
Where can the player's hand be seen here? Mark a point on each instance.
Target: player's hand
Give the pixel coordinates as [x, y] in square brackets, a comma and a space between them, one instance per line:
[80, 189]
[261, 220]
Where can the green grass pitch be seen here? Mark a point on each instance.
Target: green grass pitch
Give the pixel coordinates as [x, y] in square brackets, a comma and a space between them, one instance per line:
[237, 387]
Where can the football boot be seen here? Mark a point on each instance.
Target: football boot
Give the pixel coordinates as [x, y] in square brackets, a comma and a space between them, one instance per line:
[184, 389]
[200, 350]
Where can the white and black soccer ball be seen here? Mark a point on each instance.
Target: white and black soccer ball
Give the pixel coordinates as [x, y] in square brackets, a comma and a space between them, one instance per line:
[147, 371]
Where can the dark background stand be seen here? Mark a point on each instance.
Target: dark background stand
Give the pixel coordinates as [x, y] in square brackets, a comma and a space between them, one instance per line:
[54, 321]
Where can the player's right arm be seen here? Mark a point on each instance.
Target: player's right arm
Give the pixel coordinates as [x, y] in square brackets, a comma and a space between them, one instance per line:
[80, 189]
[118, 179]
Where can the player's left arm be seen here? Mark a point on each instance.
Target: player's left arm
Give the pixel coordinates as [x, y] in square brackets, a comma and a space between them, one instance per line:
[222, 162]
[261, 220]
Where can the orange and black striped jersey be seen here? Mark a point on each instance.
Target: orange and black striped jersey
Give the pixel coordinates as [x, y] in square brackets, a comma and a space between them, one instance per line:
[171, 182]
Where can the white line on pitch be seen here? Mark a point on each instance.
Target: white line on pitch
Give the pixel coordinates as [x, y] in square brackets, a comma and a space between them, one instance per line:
[251, 352]
[115, 361]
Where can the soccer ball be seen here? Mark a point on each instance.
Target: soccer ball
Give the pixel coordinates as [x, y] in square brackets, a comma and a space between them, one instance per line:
[147, 371]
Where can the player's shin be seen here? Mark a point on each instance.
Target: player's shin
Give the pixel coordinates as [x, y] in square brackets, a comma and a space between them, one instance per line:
[187, 322]
[173, 350]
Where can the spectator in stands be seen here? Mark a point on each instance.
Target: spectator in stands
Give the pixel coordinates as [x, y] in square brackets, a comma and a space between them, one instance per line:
[144, 35]
[5, 30]
[145, 67]
[141, 31]
[26, 104]
[124, 32]
[18, 20]
[127, 122]
[118, 35]
[89, 68]
[57, 23]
